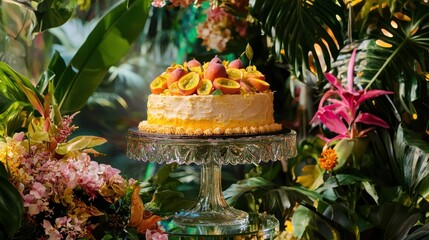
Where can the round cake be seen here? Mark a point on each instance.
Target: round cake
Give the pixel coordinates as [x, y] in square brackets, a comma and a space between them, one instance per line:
[217, 98]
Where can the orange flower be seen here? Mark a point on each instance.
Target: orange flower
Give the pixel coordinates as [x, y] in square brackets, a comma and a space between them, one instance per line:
[141, 218]
[328, 159]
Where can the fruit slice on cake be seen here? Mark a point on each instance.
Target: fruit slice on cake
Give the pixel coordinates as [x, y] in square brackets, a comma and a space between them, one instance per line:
[174, 89]
[188, 84]
[226, 85]
[205, 87]
[259, 84]
[158, 85]
[234, 74]
[175, 75]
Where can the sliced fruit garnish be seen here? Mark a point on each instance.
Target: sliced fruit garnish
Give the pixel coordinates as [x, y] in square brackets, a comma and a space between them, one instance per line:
[227, 85]
[189, 83]
[174, 89]
[198, 70]
[247, 86]
[166, 92]
[259, 84]
[251, 68]
[175, 75]
[205, 87]
[173, 67]
[255, 74]
[158, 85]
[234, 74]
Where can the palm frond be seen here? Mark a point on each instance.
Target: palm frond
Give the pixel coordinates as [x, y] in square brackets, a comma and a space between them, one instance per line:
[311, 33]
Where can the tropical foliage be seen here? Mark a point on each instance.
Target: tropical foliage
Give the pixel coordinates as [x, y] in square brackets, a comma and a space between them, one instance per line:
[377, 187]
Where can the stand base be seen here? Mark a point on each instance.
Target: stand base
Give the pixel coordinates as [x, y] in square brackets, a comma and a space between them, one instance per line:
[227, 216]
[259, 226]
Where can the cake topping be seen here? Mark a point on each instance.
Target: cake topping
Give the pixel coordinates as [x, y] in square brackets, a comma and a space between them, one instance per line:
[175, 75]
[226, 85]
[194, 63]
[216, 77]
[215, 70]
[205, 87]
[237, 64]
[188, 83]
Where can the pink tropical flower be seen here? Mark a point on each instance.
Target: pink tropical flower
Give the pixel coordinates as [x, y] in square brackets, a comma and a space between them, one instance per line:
[155, 235]
[341, 114]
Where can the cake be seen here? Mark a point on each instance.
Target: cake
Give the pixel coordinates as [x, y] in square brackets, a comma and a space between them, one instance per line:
[216, 98]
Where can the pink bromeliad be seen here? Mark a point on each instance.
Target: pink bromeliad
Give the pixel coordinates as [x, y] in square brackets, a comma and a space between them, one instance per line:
[342, 113]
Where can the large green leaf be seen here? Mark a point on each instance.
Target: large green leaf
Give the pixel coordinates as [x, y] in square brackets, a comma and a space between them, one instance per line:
[300, 25]
[235, 191]
[170, 201]
[396, 220]
[412, 155]
[421, 233]
[331, 224]
[105, 46]
[79, 143]
[12, 83]
[17, 95]
[53, 13]
[300, 220]
[11, 207]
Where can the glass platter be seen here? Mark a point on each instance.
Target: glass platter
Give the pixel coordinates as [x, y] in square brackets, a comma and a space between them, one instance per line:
[211, 152]
[234, 149]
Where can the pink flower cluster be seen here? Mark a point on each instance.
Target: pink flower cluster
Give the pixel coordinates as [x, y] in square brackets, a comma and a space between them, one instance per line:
[54, 179]
[221, 27]
[62, 190]
[155, 235]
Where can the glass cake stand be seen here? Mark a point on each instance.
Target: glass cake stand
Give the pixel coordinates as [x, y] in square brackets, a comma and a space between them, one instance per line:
[211, 215]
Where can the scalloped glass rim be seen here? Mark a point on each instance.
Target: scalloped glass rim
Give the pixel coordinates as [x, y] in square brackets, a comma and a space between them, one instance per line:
[221, 149]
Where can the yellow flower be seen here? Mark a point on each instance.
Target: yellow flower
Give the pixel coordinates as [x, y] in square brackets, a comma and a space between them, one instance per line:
[328, 159]
[287, 234]
[11, 152]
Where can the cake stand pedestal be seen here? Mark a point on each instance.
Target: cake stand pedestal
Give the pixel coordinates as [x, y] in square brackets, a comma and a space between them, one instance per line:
[211, 216]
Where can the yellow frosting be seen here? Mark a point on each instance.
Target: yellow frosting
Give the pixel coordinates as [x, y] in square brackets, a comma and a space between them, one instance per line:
[210, 115]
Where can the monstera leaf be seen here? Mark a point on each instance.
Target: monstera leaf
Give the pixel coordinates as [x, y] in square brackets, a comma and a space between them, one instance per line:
[300, 26]
[398, 48]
